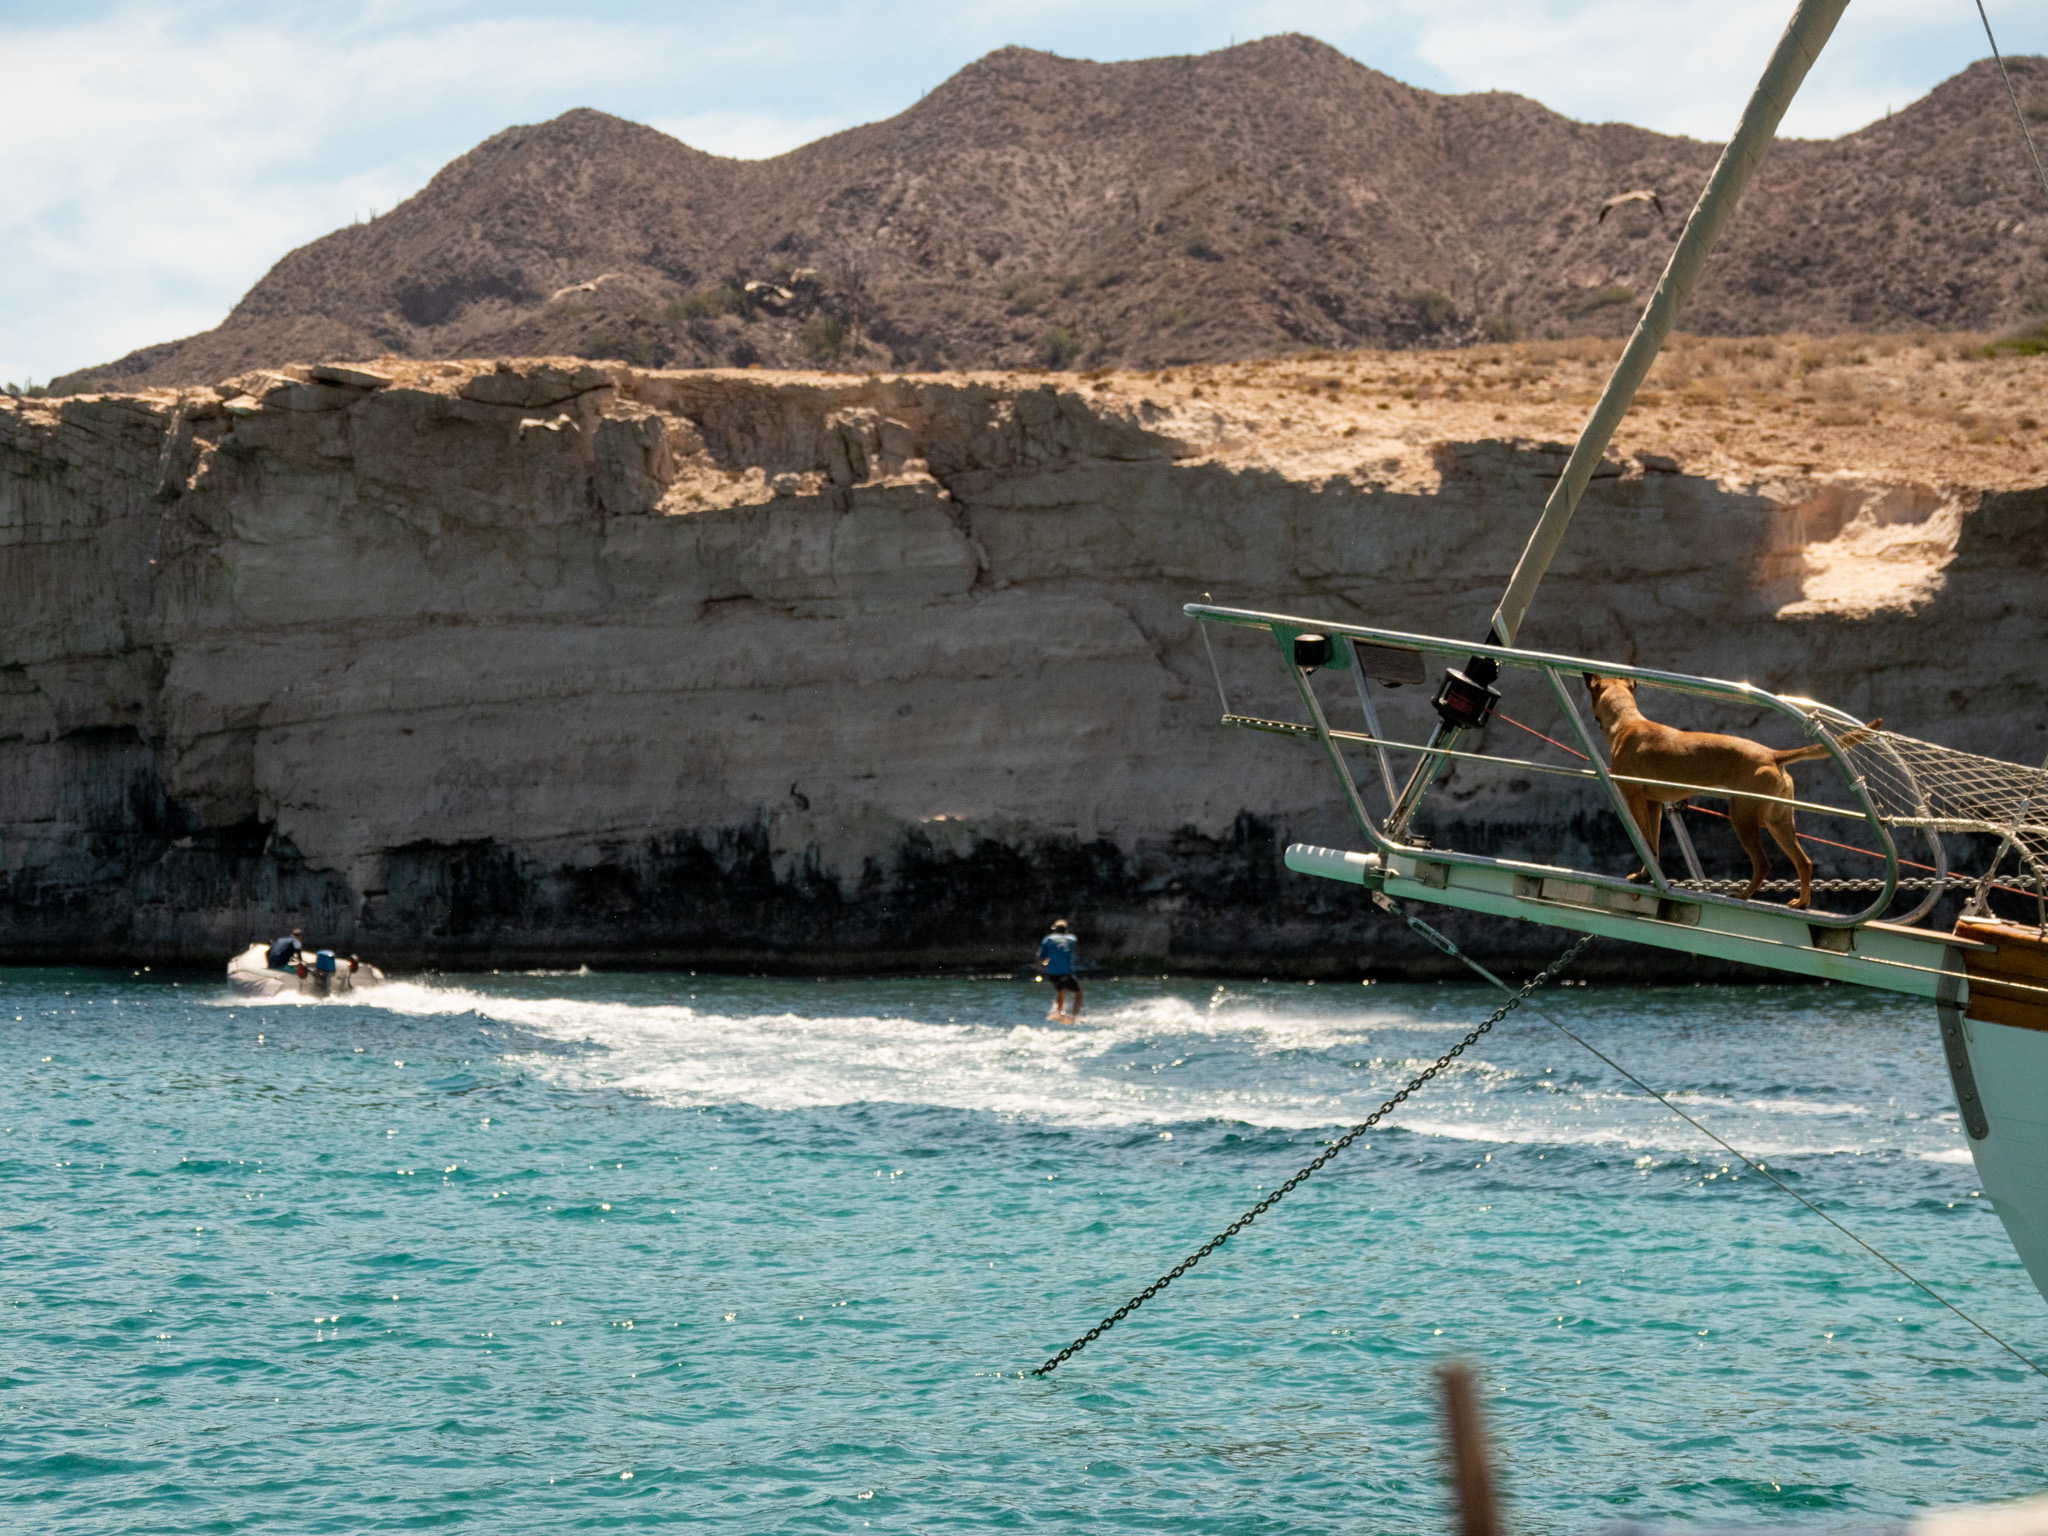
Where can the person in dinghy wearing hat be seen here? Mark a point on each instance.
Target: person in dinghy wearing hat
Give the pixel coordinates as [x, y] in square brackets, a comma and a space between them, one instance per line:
[283, 954]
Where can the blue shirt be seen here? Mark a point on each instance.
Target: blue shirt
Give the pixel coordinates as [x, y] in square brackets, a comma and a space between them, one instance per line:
[1057, 951]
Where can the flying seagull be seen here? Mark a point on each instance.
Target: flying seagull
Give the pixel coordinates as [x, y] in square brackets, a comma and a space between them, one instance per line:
[589, 287]
[1640, 196]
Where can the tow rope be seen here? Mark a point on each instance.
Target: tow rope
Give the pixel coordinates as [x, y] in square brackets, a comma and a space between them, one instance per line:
[1514, 1001]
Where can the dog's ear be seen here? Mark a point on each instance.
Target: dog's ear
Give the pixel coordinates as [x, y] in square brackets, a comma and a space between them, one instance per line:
[1592, 681]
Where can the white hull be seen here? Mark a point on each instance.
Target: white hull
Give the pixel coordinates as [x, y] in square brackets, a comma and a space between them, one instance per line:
[248, 975]
[2009, 1066]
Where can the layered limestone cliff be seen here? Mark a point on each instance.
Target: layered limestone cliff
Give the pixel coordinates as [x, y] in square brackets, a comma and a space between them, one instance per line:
[470, 664]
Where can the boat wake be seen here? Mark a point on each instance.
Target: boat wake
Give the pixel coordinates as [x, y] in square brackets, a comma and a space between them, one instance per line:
[1285, 1059]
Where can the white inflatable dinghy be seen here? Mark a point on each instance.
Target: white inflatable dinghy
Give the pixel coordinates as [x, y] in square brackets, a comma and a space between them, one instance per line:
[316, 973]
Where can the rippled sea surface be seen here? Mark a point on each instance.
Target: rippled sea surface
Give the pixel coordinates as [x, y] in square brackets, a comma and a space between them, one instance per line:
[550, 1252]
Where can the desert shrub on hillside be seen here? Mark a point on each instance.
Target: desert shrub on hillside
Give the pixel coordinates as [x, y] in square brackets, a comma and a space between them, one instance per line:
[1059, 346]
[1605, 298]
[626, 345]
[2029, 340]
[824, 336]
[1577, 349]
[709, 304]
[1025, 295]
[1433, 307]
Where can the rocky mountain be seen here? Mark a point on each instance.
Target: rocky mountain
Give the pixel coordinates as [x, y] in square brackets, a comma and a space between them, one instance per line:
[1035, 210]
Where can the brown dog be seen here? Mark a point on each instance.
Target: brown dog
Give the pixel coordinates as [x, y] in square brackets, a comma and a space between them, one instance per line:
[1701, 762]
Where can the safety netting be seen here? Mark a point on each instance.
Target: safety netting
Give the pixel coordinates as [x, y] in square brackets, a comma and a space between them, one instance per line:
[1915, 783]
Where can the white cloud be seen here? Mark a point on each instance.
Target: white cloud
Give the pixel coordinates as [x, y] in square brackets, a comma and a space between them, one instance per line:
[159, 163]
[160, 158]
[1610, 62]
[746, 135]
[1688, 66]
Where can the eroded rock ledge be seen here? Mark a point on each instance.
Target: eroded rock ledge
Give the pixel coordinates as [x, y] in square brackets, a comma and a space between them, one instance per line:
[474, 663]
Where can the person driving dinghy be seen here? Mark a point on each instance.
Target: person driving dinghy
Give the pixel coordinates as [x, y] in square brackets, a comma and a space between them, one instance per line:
[283, 954]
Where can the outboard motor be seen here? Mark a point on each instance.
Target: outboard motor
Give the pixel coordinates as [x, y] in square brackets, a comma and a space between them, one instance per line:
[323, 973]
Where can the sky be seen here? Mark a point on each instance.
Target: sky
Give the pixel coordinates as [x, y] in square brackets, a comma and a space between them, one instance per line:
[161, 157]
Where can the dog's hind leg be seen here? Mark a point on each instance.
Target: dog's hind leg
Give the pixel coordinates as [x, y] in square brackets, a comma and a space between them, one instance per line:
[1746, 817]
[1779, 820]
[1648, 816]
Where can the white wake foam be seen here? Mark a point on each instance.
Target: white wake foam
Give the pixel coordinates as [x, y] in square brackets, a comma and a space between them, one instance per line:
[1173, 1059]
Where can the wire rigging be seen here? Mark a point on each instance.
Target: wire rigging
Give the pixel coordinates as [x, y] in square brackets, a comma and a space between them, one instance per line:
[1445, 944]
[1804, 837]
[2017, 115]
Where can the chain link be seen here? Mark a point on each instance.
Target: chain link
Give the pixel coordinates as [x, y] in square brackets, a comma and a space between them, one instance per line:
[1917, 883]
[1329, 1152]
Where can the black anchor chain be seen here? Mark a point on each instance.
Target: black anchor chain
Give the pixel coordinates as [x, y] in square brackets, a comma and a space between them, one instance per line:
[1282, 1192]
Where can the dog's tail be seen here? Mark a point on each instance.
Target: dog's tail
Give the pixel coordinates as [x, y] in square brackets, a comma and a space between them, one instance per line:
[1812, 753]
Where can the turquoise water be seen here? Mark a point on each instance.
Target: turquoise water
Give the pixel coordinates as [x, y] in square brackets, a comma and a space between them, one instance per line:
[551, 1252]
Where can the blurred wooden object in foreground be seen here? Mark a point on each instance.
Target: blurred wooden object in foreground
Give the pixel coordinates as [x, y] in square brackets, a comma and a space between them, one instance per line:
[1471, 1471]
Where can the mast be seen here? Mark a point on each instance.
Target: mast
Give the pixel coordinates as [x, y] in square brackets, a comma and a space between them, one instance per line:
[1809, 30]
[1464, 701]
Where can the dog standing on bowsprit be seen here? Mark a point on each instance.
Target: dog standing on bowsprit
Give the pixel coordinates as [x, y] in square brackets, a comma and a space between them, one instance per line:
[1689, 763]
